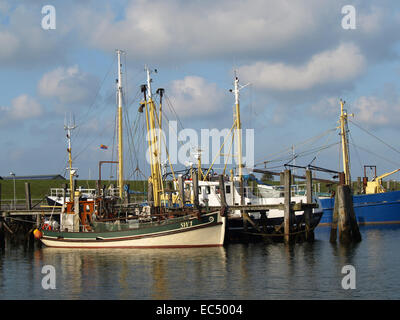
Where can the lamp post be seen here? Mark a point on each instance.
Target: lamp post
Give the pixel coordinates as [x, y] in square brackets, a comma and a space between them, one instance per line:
[15, 203]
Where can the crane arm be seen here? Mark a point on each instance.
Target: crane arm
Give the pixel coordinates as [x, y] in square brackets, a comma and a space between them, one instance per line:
[385, 175]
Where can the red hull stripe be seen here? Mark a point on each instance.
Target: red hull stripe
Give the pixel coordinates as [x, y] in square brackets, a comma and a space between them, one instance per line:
[143, 247]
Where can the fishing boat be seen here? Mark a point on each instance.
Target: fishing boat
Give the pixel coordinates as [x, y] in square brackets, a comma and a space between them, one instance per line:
[103, 222]
[376, 205]
[239, 191]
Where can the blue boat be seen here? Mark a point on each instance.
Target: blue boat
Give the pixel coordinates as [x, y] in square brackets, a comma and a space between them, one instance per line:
[378, 208]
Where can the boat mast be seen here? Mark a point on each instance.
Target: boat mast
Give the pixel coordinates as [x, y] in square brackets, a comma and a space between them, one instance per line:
[345, 142]
[68, 128]
[238, 127]
[120, 142]
[151, 115]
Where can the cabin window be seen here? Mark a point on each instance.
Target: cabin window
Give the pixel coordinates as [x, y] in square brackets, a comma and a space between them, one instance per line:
[228, 189]
[208, 190]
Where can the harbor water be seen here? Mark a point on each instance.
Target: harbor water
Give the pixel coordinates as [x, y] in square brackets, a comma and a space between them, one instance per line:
[236, 271]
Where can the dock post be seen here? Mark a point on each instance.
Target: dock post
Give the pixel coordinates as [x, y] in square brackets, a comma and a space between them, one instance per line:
[309, 235]
[345, 217]
[288, 223]
[344, 223]
[334, 221]
[28, 199]
[196, 190]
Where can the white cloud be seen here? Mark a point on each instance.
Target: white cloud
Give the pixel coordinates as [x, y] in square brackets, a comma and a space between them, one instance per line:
[339, 65]
[22, 107]
[374, 111]
[193, 96]
[68, 85]
[185, 29]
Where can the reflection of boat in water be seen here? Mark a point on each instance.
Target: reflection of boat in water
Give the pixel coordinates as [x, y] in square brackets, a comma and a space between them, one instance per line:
[135, 273]
[376, 205]
[106, 223]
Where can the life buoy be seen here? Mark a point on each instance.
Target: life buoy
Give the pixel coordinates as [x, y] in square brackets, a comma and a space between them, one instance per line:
[46, 226]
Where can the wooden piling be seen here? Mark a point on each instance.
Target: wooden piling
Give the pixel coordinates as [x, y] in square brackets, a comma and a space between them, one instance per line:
[196, 190]
[334, 222]
[309, 233]
[222, 190]
[343, 221]
[28, 199]
[344, 217]
[359, 185]
[288, 223]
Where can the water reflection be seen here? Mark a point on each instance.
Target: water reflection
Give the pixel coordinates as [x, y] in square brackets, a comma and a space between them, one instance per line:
[237, 271]
[133, 274]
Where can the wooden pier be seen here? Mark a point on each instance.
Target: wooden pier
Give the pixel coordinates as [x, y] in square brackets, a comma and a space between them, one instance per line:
[292, 229]
[20, 220]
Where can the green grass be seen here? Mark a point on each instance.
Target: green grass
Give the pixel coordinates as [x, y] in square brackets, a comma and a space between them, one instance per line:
[41, 188]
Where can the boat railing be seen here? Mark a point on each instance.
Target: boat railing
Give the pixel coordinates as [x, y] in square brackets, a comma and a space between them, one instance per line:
[129, 224]
[59, 192]
[278, 190]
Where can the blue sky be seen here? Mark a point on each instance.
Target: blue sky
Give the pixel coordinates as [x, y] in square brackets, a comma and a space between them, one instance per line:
[296, 56]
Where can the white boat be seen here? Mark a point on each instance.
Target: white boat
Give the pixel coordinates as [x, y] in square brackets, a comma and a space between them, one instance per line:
[106, 223]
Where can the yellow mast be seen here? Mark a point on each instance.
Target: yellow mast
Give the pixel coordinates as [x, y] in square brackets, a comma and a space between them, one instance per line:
[120, 142]
[345, 143]
[151, 115]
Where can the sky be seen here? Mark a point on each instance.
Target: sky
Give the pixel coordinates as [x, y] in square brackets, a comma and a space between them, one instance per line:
[296, 58]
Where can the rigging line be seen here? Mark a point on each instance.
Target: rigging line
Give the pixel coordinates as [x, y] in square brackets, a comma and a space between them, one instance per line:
[169, 104]
[301, 143]
[355, 148]
[98, 90]
[369, 151]
[94, 138]
[327, 140]
[306, 152]
[385, 143]
[165, 117]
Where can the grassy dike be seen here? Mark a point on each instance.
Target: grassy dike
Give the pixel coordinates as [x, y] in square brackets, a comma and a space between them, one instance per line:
[41, 188]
